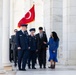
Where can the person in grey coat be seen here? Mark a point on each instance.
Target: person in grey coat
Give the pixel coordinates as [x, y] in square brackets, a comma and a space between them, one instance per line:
[14, 47]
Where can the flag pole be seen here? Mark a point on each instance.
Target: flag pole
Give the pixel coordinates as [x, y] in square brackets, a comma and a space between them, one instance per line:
[44, 30]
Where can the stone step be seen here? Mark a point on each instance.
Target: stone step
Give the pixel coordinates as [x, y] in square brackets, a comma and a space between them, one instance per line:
[8, 68]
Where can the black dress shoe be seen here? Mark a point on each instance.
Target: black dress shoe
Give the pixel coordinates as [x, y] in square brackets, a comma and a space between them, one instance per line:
[15, 65]
[23, 70]
[44, 67]
[20, 69]
[33, 68]
[50, 67]
[29, 68]
[40, 67]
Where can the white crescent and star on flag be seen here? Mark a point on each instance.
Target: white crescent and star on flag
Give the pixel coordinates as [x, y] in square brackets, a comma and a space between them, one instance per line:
[29, 15]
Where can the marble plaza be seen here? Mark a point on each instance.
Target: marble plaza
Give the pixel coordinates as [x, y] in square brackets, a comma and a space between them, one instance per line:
[60, 70]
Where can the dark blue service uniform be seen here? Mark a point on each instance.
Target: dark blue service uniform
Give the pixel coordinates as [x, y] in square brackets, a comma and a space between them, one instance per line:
[22, 41]
[32, 51]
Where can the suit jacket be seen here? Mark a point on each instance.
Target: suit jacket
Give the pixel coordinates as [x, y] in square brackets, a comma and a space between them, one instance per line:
[13, 42]
[22, 40]
[40, 41]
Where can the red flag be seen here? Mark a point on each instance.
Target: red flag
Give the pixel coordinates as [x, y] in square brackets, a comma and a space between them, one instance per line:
[22, 21]
[30, 15]
[28, 18]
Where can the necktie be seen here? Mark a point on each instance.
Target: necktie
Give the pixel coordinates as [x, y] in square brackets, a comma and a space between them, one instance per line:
[41, 35]
[24, 32]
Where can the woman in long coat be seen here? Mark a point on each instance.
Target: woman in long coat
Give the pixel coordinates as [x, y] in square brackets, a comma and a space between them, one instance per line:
[53, 46]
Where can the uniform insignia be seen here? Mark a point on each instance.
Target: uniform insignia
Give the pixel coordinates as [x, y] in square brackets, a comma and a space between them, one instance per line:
[20, 35]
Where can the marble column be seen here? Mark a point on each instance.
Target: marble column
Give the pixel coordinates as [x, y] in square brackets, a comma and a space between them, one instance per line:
[1, 66]
[47, 17]
[72, 32]
[69, 31]
[11, 17]
[65, 32]
[6, 32]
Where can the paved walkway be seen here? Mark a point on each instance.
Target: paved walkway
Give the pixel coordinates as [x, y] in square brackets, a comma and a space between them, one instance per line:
[60, 70]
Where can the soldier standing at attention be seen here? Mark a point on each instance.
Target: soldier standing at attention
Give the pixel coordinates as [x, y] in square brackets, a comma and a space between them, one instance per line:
[32, 48]
[22, 46]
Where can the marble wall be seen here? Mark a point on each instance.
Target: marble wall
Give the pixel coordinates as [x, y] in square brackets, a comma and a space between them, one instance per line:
[72, 31]
[70, 34]
[47, 17]
[58, 23]
[58, 17]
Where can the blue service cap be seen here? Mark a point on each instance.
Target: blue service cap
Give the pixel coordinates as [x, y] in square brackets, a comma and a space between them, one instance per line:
[32, 29]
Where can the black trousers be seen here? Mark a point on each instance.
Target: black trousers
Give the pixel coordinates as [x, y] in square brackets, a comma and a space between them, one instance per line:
[42, 57]
[22, 58]
[32, 57]
[15, 56]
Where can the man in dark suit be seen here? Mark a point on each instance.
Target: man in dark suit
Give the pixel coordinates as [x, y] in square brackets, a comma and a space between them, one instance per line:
[22, 46]
[14, 47]
[41, 38]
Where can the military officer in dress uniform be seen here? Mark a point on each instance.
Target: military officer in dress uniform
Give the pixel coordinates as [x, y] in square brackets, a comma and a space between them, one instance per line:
[41, 38]
[22, 46]
[32, 48]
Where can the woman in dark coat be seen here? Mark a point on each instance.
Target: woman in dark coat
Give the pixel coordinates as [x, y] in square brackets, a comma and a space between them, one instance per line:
[53, 46]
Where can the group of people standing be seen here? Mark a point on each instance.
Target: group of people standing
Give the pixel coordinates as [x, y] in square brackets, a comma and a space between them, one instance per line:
[29, 47]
